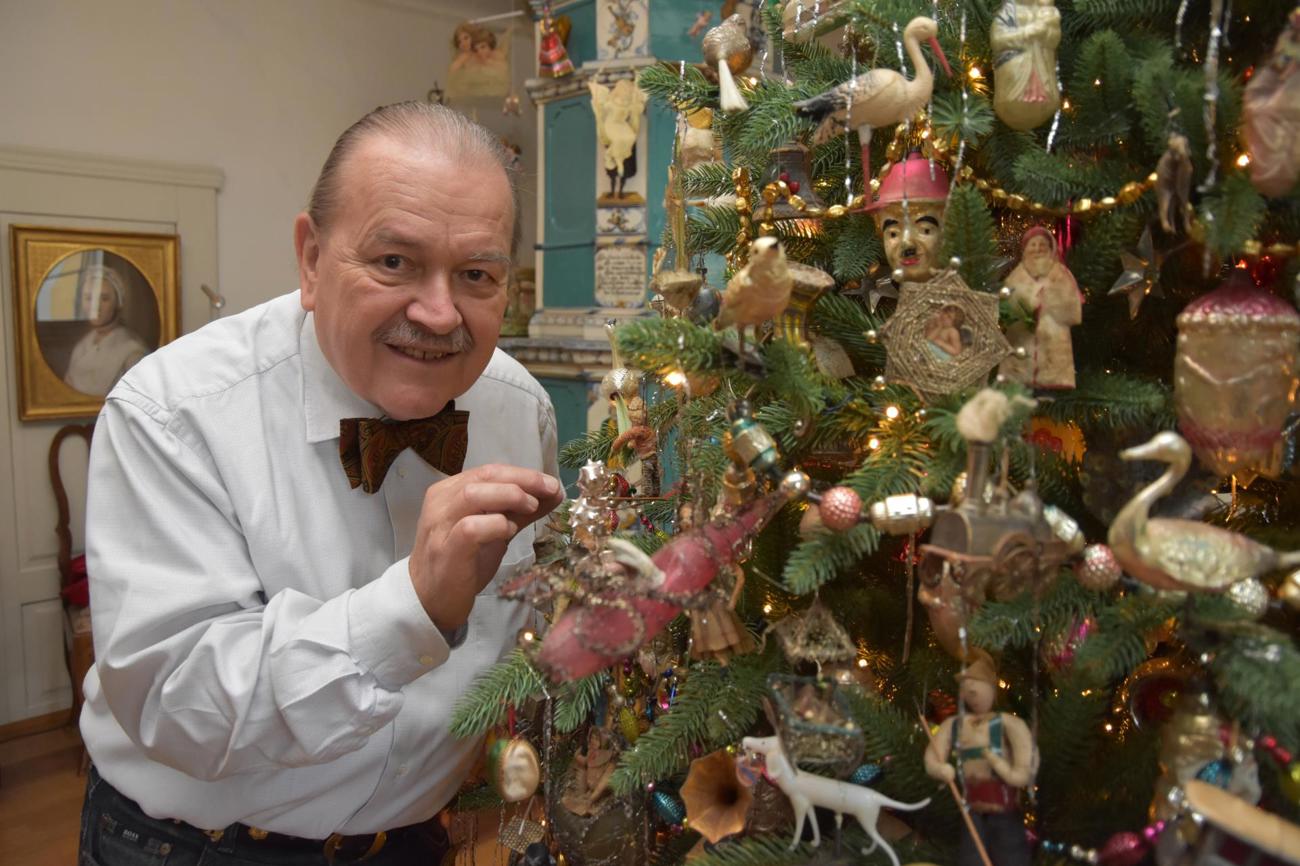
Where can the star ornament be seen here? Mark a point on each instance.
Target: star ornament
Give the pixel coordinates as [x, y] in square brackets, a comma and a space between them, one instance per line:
[1141, 276]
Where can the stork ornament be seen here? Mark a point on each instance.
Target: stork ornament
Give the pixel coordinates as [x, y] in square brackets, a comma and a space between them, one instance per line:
[879, 97]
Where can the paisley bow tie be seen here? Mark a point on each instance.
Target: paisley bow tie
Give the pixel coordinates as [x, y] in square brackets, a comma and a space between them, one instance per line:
[368, 446]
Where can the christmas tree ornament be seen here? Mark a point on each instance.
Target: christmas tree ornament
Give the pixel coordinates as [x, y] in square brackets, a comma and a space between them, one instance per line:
[704, 309]
[814, 637]
[1236, 373]
[808, 790]
[621, 380]
[1289, 591]
[748, 443]
[1149, 694]
[997, 548]
[1270, 115]
[513, 769]
[716, 801]
[698, 145]
[727, 49]
[1174, 186]
[670, 809]
[908, 210]
[1123, 849]
[537, 854]
[840, 508]
[587, 783]
[867, 774]
[591, 516]
[613, 619]
[1232, 830]
[902, 514]
[808, 284]
[994, 755]
[791, 172]
[716, 631]
[1098, 569]
[760, 290]
[1024, 38]
[770, 813]
[943, 338]
[802, 20]
[1057, 652]
[1251, 596]
[614, 834]
[1179, 554]
[879, 97]
[1193, 739]
[679, 286]
[1141, 274]
[1043, 287]
[521, 833]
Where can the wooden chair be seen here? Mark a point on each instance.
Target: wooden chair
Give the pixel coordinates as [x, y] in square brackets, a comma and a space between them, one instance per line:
[78, 645]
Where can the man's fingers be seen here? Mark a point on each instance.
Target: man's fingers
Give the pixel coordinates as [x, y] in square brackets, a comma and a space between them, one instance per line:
[538, 484]
[486, 497]
[475, 530]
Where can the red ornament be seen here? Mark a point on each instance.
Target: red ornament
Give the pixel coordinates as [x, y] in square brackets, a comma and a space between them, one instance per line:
[1058, 654]
[840, 508]
[1123, 849]
[596, 633]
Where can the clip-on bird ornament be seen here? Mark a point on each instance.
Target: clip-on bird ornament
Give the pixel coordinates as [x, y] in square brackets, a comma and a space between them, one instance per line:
[727, 49]
[879, 97]
[758, 292]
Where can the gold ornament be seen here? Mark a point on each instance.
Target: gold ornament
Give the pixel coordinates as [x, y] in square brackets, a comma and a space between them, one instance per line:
[716, 801]
[1023, 40]
[814, 637]
[514, 769]
[728, 50]
[1289, 592]
[1235, 377]
[1179, 554]
[943, 337]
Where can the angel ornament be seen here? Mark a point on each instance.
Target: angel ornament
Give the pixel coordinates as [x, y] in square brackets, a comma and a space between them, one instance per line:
[618, 112]
[1024, 39]
[1043, 286]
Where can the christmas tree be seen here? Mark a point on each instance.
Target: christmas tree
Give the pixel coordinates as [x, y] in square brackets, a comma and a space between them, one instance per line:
[906, 449]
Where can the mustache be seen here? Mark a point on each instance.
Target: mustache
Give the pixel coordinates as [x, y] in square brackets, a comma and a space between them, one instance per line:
[406, 333]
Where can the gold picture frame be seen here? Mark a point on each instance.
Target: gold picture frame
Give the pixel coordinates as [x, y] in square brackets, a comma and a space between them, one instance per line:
[87, 305]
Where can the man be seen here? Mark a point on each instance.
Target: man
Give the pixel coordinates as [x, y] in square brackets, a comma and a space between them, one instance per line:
[1044, 288]
[279, 639]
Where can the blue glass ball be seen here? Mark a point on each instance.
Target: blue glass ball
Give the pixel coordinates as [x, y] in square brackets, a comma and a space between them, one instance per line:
[867, 774]
[669, 809]
[1216, 773]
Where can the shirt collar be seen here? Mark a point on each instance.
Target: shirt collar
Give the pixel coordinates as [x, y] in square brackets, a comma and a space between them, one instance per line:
[326, 399]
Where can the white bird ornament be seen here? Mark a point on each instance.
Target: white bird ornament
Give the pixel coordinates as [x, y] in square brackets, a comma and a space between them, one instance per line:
[879, 97]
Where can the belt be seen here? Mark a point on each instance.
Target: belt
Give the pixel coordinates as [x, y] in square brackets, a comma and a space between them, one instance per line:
[116, 808]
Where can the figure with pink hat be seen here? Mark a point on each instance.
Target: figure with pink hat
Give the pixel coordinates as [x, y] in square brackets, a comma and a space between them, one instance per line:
[908, 210]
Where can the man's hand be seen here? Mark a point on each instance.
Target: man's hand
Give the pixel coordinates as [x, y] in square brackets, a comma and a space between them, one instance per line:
[465, 524]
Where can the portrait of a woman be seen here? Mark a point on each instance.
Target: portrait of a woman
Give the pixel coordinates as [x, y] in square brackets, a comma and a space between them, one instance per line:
[110, 347]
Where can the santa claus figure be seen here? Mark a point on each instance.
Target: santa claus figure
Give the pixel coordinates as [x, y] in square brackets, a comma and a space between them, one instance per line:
[1044, 287]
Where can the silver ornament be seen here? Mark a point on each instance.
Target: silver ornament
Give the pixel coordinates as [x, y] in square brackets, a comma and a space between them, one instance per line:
[1251, 596]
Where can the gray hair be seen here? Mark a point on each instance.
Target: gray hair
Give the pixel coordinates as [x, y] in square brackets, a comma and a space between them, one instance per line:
[440, 128]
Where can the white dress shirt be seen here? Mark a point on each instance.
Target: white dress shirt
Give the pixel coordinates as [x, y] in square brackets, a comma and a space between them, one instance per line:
[261, 654]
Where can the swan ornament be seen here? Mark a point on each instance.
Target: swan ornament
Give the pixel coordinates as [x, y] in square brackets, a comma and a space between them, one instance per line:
[1175, 553]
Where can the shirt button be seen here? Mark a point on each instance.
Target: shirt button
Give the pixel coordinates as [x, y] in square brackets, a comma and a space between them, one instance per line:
[401, 771]
[401, 473]
[426, 660]
[165, 848]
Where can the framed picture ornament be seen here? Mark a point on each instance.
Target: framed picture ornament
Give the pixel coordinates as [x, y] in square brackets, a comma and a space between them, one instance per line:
[943, 338]
[87, 306]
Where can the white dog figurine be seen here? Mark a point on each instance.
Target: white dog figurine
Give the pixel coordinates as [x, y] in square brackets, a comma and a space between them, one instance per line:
[806, 790]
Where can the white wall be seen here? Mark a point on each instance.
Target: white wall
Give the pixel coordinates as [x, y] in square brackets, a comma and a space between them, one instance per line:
[258, 88]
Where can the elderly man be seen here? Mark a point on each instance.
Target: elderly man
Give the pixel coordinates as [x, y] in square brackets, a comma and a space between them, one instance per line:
[291, 586]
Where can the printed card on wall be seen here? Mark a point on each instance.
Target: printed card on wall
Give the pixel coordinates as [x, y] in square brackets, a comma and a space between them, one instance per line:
[621, 275]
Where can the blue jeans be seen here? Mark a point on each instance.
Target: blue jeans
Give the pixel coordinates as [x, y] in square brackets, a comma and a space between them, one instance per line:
[115, 832]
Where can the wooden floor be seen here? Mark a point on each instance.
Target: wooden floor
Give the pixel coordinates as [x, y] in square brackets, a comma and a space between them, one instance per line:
[40, 798]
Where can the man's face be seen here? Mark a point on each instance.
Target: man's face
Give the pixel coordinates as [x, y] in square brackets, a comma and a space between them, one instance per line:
[408, 282]
[912, 242]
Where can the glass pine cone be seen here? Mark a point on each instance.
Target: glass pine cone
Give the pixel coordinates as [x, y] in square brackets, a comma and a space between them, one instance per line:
[840, 508]
[1098, 569]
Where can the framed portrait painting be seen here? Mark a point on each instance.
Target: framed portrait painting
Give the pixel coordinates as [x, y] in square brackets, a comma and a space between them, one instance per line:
[87, 305]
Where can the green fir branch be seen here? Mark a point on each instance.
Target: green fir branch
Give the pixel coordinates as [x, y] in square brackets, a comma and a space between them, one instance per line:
[1112, 400]
[1258, 677]
[1118, 645]
[508, 683]
[712, 228]
[847, 322]
[825, 556]
[593, 445]
[708, 180]
[715, 706]
[666, 83]
[1232, 214]
[959, 117]
[969, 234]
[575, 700]
[664, 345]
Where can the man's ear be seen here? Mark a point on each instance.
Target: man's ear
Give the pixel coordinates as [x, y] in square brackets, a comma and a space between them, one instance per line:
[306, 244]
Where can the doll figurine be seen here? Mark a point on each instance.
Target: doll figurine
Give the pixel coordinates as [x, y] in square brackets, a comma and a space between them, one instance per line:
[1024, 38]
[1044, 287]
[993, 757]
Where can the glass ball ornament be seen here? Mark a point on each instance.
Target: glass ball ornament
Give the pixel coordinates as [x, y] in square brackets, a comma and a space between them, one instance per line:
[704, 309]
[1289, 591]
[1123, 849]
[1217, 773]
[1251, 596]
[867, 774]
[1098, 569]
[840, 508]
[670, 809]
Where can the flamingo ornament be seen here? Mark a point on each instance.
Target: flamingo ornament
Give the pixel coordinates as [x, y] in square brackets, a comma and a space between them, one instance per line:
[880, 97]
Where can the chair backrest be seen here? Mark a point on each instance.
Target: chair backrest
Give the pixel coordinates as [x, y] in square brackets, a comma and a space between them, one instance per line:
[63, 528]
